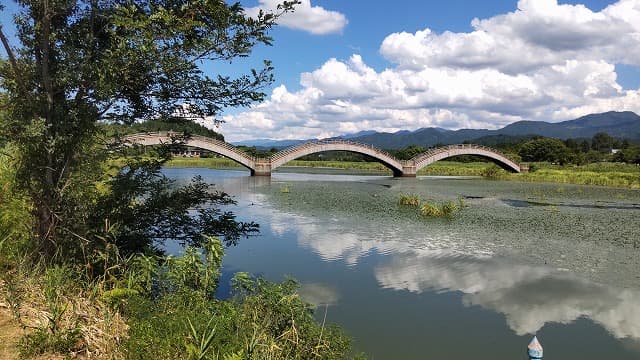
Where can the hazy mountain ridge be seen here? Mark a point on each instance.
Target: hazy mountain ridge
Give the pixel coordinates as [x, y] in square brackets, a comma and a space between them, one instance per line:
[624, 124]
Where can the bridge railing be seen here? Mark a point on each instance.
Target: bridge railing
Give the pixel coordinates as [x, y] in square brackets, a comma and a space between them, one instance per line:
[222, 144]
[438, 150]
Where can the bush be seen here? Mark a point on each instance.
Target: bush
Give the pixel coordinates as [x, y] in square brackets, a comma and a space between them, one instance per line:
[492, 172]
[182, 319]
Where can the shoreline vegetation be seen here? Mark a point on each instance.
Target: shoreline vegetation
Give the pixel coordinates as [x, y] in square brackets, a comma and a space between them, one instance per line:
[598, 174]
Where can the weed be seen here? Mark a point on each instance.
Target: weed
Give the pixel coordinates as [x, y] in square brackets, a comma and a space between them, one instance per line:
[41, 341]
[409, 200]
[445, 209]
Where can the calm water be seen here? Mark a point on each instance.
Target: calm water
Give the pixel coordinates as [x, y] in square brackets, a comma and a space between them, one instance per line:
[521, 259]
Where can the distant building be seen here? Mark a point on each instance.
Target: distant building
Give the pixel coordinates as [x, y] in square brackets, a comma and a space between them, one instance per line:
[188, 151]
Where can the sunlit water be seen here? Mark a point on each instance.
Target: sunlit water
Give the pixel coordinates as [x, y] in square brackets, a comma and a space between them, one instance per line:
[554, 260]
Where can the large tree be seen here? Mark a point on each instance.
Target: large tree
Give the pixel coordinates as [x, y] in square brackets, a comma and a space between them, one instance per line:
[78, 63]
[544, 149]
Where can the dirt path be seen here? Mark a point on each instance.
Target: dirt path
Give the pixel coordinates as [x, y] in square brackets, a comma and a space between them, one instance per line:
[10, 333]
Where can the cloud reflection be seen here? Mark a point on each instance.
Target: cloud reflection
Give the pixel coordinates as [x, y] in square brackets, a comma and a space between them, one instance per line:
[529, 296]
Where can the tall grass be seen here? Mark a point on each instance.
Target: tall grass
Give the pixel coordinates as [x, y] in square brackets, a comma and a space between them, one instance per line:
[210, 163]
[429, 209]
[598, 174]
[409, 200]
[15, 210]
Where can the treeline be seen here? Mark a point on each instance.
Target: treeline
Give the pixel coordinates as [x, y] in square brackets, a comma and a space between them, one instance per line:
[185, 127]
[601, 147]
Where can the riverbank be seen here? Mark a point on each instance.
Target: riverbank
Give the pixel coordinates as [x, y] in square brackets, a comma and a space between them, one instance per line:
[598, 174]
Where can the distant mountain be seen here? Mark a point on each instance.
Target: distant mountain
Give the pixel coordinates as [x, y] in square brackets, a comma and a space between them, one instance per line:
[265, 144]
[358, 134]
[618, 124]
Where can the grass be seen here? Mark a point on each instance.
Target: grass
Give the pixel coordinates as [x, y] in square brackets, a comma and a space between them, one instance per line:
[150, 307]
[209, 163]
[598, 174]
[409, 200]
[429, 209]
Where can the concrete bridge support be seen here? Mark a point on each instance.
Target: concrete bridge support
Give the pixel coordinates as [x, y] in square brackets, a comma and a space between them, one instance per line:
[408, 170]
[261, 167]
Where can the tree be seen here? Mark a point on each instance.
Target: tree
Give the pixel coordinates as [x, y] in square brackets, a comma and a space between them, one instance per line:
[602, 142]
[544, 149]
[81, 63]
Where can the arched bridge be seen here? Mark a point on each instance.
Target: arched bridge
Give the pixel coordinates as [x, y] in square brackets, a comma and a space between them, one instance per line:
[264, 166]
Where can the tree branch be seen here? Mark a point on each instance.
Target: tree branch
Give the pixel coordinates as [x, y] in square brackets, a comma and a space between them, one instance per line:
[13, 62]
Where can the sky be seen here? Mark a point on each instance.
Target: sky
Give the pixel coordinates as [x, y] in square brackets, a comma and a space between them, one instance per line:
[354, 65]
[344, 66]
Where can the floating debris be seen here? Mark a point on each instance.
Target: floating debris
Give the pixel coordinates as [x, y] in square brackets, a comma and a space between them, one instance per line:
[534, 349]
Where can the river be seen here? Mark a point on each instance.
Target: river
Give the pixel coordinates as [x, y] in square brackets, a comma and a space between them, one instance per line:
[560, 261]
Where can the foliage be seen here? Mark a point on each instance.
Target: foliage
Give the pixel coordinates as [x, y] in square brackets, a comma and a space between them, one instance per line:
[15, 209]
[409, 200]
[581, 175]
[409, 152]
[429, 209]
[148, 209]
[263, 320]
[492, 172]
[185, 127]
[83, 63]
[445, 209]
[544, 149]
[41, 342]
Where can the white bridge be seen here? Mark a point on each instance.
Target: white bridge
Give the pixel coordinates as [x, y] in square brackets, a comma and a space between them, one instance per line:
[264, 166]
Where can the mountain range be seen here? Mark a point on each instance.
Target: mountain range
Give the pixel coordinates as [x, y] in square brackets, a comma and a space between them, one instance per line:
[617, 124]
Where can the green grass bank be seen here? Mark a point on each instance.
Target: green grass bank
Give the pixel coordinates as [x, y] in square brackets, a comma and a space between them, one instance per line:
[598, 174]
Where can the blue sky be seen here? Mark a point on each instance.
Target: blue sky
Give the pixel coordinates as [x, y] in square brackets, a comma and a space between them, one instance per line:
[348, 66]
[353, 65]
[369, 22]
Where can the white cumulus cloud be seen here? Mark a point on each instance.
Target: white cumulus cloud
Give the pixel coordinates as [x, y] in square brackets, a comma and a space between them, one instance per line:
[543, 61]
[313, 19]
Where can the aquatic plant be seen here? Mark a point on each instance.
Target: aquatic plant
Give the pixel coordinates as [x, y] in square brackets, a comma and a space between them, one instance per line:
[409, 200]
[445, 209]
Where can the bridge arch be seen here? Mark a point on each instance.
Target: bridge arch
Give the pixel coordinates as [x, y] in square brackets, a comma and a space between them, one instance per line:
[282, 157]
[201, 142]
[433, 155]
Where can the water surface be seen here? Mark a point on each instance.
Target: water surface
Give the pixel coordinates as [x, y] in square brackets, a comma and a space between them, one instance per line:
[559, 261]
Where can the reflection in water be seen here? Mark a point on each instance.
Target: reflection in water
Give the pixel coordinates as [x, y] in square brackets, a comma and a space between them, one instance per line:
[319, 294]
[529, 296]
[435, 273]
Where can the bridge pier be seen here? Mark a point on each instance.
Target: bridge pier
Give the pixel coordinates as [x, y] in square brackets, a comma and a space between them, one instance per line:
[408, 171]
[261, 168]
